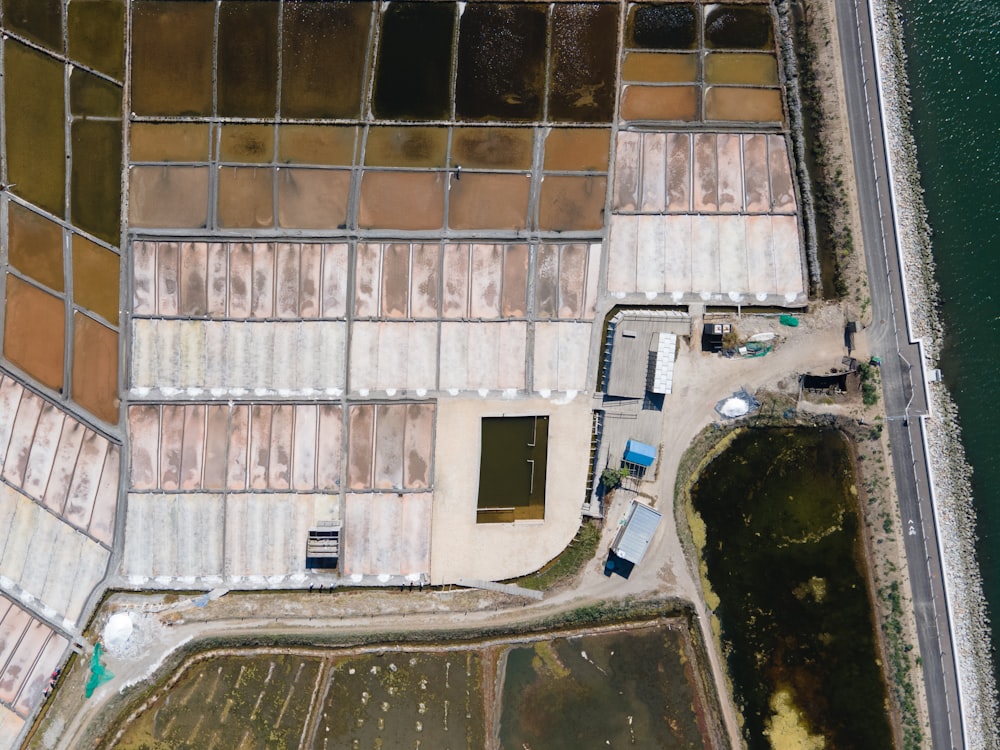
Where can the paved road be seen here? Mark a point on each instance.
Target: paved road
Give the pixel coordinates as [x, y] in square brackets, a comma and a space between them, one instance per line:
[902, 373]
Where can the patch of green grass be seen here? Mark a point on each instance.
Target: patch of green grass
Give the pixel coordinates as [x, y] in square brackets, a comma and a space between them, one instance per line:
[569, 562]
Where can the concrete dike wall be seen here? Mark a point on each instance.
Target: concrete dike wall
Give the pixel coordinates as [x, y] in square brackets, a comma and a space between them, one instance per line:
[955, 517]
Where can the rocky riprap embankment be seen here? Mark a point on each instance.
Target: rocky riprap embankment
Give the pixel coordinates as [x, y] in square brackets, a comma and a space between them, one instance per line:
[956, 520]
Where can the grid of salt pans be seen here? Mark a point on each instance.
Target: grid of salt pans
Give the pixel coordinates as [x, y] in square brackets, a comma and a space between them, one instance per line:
[236, 536]
[705, 215]
[29, 651]
[280, 447]
[58, 503]
[424, 317]
[706, 173]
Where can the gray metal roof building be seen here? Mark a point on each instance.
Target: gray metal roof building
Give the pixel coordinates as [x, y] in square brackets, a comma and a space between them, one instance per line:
[635, 535]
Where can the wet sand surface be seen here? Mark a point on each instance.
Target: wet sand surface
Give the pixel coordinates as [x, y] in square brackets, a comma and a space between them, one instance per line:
[758, 193]
[35, 332]
[95, 367]
[236, 447]
[35, 246]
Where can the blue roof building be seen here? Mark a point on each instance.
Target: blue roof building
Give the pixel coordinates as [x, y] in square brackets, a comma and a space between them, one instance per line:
[639, 454]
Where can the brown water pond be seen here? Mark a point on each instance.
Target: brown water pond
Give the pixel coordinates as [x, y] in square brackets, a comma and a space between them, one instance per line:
[317, 144]
[660, 67]
[35, 246]
[172, 57]
[36, 127]
[95, 367]
[743, 104]
[96, 33]
[485, 148]
[171, 141]
[583, 50]
[413, 74]
[660, 103]
[501, 62]
[749, 68]
[35, 331]
[318, 38]
[247, 64]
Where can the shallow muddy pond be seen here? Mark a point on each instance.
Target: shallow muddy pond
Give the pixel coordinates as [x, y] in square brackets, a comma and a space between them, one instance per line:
[608, 690]
[781, 544]
[632, 684]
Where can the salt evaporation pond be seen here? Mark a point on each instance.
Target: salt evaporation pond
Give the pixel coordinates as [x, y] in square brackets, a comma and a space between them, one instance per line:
[635, 684]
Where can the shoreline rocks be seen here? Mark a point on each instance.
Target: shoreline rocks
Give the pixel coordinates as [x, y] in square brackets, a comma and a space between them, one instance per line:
[955, 515]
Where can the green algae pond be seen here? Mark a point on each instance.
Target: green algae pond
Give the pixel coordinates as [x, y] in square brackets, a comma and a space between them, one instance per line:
[635, 684]
[781, 546]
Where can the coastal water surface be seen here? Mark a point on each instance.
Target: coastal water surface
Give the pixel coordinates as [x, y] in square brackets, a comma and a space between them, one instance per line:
[953, 50]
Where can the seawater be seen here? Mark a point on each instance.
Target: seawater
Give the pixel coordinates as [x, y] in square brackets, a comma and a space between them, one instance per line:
[953, 51]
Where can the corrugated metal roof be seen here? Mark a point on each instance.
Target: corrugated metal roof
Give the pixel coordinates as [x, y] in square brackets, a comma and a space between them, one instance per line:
[640, 454]
[634, 538]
